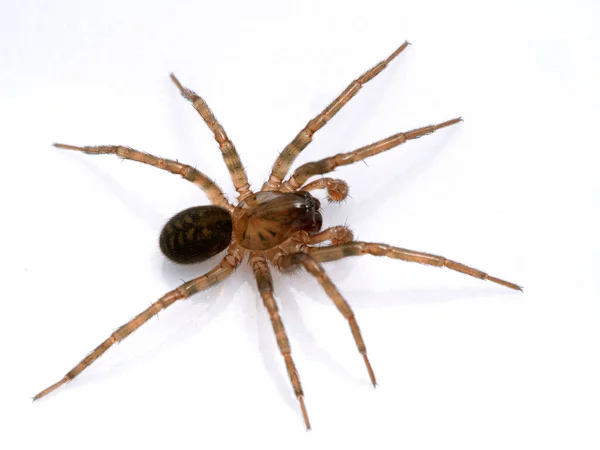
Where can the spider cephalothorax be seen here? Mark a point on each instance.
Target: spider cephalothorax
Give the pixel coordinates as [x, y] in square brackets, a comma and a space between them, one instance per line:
[278, 226]
[266, 219]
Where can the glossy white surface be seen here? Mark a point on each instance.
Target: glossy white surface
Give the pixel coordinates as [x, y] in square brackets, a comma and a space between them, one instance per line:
[461, 363]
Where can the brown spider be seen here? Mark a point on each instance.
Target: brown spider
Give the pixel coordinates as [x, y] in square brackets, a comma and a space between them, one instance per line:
[279, 226]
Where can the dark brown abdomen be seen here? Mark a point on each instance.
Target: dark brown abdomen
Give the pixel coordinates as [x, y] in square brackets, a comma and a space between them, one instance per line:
[196, 234]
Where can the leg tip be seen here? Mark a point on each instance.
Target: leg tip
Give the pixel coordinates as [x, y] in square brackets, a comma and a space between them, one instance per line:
[176, 81]
[66, 146]
[304, 412]
[370, 370]
[37, 396]
[398, 51]
[452, 122]
[505, 283]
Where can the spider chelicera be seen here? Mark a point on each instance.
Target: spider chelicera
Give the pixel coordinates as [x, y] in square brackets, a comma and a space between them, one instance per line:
[279, 226]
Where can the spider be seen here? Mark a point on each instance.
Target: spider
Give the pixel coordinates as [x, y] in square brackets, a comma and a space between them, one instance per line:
[276, 227]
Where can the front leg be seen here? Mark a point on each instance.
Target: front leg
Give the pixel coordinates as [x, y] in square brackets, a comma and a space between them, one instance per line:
[335, 252]
[326, 165]
[292, 150]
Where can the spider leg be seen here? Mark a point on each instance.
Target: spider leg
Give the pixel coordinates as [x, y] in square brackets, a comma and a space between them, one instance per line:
[214, 192]
[214, 276]
[337, 190]
[335, 252]
[288, 155]
[326, 165]
[230, 154]
[289, 261]
[264, 281]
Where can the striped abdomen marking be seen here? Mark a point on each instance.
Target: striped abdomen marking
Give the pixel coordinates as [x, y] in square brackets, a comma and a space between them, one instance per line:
[196, 234]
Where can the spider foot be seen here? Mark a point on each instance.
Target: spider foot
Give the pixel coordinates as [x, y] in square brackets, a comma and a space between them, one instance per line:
[370, 370]
[188, 94]
[50, 389]
[304, 413]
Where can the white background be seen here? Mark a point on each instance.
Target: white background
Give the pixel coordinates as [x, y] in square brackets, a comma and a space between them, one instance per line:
[461, 363]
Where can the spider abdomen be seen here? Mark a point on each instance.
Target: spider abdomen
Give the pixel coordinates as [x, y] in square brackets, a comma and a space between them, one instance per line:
[196, 234]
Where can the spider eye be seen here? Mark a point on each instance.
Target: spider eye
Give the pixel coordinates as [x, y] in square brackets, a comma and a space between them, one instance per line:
[311, 202]
[317, 203]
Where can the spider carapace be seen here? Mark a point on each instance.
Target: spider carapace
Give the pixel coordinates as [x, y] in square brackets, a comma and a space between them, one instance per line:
[267, 219]
[277, 227]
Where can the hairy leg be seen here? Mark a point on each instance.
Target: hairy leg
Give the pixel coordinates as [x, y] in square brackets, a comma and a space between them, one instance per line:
[335, 252]
[288, 155]
[290, 261]
[214, 192]
[326, 165]
[214, 276]
[265, 286]
[230, 154]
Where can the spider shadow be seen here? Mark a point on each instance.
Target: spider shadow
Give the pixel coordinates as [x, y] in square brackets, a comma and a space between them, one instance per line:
[399, 181]
[296, 329]
[340, 135]
[187, 319]
[139, 206]
[358, 299]
[194, 143]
